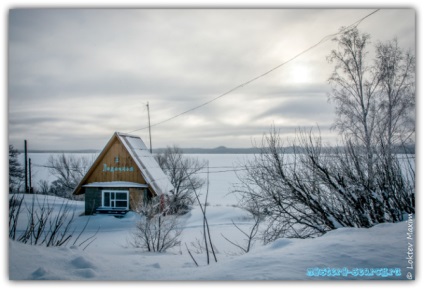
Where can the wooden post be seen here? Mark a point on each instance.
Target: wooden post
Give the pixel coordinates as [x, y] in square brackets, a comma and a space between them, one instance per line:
[150, 132]
[26, 167]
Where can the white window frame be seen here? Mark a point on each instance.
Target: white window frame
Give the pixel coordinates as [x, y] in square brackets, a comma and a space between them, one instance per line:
[115, 191]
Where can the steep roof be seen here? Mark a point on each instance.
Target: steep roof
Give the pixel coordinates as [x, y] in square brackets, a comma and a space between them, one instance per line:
[145, 161]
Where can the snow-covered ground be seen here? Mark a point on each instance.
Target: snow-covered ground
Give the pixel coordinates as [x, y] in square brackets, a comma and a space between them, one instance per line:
[110, 257]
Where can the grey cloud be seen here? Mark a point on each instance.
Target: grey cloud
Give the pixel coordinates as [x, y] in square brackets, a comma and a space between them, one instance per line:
[34, 121]
[80, 74]
[317, 109]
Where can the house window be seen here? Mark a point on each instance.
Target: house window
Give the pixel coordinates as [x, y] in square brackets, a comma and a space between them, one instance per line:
[115, 199]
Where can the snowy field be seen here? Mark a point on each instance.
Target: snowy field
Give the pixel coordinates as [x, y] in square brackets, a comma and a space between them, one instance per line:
[110, 257]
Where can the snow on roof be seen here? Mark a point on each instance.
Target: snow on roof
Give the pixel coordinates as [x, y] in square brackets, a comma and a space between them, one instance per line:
[116, 185]
[149, 167]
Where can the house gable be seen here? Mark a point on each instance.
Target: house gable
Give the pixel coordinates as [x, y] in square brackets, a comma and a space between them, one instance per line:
[124, 176]
[114, 164]
[126, 159]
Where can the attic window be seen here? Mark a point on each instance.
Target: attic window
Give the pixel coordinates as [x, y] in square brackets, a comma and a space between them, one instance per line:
[116, 159]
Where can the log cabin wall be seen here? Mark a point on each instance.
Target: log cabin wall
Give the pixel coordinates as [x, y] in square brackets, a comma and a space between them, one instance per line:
[93, 200]
[93, 197]
[137, 197]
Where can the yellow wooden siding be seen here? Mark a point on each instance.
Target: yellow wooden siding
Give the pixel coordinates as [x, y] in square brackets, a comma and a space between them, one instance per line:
[116, 149]
[136, 198]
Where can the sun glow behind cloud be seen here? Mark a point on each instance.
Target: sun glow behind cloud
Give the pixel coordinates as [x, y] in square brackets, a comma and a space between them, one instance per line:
[299, 74]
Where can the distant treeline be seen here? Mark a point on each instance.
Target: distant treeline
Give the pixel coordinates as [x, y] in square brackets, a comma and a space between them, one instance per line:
[409, 149]
[61, 151]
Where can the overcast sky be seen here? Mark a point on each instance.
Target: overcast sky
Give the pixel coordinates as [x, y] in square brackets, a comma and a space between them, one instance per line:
[75, 76]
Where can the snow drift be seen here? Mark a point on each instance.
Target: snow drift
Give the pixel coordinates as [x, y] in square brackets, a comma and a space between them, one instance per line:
[110, 257]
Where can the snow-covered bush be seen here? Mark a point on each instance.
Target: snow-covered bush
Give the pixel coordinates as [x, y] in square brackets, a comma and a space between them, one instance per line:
[16, 172]
[15, 204]
[39, 222]
[157, 234]
[156, 231]
[317, 189]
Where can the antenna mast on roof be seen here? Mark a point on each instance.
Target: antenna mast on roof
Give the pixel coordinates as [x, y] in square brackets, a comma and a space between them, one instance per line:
[150, 132]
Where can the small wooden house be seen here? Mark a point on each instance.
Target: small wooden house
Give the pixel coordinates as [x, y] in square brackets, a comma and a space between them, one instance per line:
[124, 175]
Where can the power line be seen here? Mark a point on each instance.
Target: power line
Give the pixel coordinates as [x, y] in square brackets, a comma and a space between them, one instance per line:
[220, 169]
[230, 169]
[324, 39]
[83, 167]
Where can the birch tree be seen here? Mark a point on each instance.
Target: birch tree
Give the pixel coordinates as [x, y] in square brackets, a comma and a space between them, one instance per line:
[396, 72]
[355, 91]
[362, 182]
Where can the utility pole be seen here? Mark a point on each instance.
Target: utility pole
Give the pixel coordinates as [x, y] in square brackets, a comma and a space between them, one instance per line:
[26, 167]
[150, 131]
[29, 175]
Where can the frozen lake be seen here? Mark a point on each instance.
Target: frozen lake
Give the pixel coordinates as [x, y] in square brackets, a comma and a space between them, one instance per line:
[223, 171]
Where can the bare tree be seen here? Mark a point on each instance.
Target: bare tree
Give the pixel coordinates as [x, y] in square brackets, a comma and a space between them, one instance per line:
[355, 90]
[208, 244]
[283, 190]
[69, 170]
[182, 172]
[249, 235]
[374, 101]
[317, 189]
[396, 71]
[360, 184]
[43, 187]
